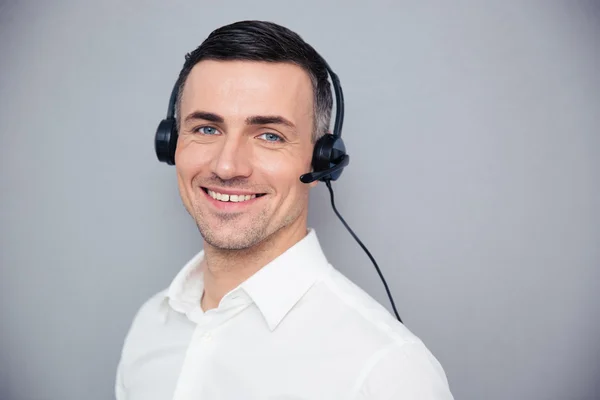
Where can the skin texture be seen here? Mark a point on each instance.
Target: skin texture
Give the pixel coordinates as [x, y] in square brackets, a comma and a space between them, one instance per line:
[226, 145]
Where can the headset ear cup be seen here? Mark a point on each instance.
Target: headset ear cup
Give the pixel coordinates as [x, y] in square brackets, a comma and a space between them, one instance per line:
[165, 141]
[328, 150]
[321, 152]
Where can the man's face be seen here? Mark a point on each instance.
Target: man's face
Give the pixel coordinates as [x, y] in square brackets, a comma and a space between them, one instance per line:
[244, 140]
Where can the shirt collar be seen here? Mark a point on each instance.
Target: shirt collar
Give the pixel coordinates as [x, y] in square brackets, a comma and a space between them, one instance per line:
[186, 289]
[278, 286]
[275, 288]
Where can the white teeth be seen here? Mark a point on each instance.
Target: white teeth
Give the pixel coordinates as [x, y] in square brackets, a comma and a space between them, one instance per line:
[233, 198]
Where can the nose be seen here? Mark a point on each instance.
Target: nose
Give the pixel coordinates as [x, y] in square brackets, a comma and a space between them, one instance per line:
[233, 159]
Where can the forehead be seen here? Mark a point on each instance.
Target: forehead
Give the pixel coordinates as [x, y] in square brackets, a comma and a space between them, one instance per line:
[242, 88]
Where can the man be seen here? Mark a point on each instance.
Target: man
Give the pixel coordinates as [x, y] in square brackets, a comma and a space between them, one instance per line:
[260, 313]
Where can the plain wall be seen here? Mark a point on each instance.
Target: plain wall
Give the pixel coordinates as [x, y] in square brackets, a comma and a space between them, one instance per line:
[473, 129]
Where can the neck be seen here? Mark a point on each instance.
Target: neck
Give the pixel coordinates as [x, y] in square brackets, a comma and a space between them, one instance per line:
[225, 269]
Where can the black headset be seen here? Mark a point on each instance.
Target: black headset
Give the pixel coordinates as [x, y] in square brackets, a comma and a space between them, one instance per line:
[329, 154]
[328, 160]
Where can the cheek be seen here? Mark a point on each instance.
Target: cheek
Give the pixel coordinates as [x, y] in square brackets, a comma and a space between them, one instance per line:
[189, 160]
[282, 168]
[188, 164]
[283, 174]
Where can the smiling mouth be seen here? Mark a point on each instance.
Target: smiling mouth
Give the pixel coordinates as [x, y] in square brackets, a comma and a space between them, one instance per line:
[234, 198]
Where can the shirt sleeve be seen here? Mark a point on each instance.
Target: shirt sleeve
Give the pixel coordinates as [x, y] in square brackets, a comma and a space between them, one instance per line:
[404, 372]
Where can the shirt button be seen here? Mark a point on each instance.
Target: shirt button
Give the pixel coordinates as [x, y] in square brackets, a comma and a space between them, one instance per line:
[207, 336]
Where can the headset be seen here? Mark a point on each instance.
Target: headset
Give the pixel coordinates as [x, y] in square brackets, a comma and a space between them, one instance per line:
[328, 161]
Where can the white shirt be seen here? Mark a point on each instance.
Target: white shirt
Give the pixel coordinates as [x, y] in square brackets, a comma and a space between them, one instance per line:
[297, 329]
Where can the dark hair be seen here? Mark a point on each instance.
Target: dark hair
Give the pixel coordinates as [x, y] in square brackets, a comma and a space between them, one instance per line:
[265, 41]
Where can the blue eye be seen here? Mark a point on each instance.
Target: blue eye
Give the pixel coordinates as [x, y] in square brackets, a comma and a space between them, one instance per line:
[207, 130]
[271, 137]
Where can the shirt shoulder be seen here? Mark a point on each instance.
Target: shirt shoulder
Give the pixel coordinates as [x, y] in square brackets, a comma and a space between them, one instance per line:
[149, 314]
[403, 371]
[157, 336]
[394, 362]
[148, 311]
[350, 305]
[154, 323]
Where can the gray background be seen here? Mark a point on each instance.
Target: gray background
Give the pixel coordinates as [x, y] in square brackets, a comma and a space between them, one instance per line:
[474, 134]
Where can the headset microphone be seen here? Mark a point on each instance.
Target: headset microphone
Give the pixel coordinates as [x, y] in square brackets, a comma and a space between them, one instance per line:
[315, 176]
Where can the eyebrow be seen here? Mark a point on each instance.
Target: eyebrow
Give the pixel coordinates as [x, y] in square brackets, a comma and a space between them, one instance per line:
[205, 116]
[269, 119]
[253, 120]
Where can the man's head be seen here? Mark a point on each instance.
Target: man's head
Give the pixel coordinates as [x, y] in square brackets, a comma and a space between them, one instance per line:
[253, 99]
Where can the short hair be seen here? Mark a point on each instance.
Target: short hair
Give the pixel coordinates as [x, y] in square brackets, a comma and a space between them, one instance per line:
[269, 42]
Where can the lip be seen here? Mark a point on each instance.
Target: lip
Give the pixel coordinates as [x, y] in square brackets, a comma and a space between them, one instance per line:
[230, 206]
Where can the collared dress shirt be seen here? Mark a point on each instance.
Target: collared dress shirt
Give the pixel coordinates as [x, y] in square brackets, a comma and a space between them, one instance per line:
[297, 329]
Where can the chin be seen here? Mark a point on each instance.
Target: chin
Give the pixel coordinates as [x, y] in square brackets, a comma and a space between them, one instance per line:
[228, 243]
[224, 239]
[240, 232]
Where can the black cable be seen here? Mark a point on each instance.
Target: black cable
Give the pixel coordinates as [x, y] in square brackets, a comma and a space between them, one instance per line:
[328, 183]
